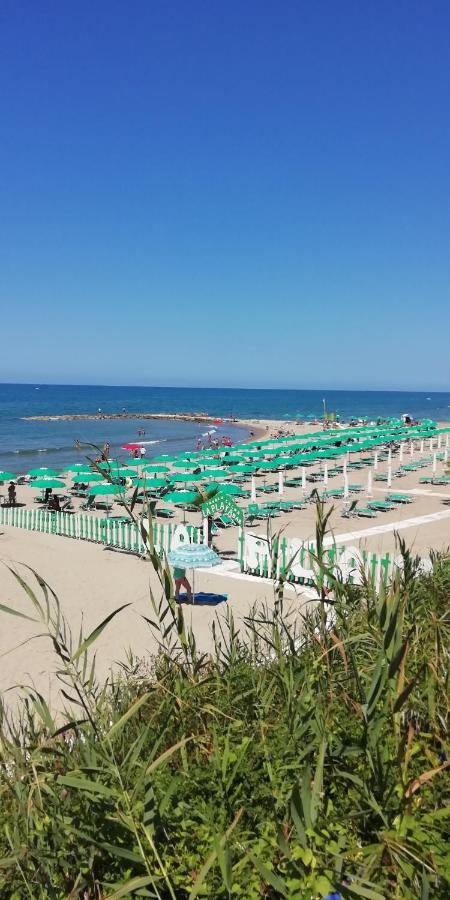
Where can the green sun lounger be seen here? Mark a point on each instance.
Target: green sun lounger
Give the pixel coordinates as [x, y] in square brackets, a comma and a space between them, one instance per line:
[365, 512]
[382, 505]
[398, 498]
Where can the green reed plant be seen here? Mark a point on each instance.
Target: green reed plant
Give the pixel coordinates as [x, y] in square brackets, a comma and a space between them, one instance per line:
[299, 757]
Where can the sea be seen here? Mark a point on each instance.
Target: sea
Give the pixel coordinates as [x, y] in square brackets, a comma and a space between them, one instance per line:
[29, 444]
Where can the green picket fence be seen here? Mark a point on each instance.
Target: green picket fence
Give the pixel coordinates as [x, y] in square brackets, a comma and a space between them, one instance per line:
[120, 535]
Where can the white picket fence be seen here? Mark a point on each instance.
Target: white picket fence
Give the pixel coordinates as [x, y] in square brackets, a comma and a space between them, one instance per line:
[293, 559]
[120, 535]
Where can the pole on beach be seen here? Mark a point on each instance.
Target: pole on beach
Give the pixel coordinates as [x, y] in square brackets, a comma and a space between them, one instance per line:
[434, 463]
[446, 455]
[325, 474]
[205, 530]
[369, 483]
[253, 489]
[375, 460]
[389, 456]
[411, 449]
[422, 445]
[401, 453]
[389, 476]
[446, 441]
[280, 483]
[439, 441]
[431, 443]
[346, 490]
[303, 480]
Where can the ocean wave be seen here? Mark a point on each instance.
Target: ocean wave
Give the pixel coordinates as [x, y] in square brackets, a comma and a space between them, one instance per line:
[153, 442]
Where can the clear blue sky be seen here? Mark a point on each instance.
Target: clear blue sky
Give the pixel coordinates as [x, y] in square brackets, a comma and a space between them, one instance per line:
[225, 193]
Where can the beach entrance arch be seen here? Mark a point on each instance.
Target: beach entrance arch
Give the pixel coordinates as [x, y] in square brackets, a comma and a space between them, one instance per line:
[223, 503]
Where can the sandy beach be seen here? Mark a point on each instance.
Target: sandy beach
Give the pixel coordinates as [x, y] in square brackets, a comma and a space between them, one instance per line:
[92, 580]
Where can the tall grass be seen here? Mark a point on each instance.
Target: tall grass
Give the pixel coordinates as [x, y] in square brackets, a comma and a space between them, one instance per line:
[285, 764]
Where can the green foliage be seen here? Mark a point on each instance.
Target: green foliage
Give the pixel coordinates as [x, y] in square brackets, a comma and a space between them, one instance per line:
[284, 765]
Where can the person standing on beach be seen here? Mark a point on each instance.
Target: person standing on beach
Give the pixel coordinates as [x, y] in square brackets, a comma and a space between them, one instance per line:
[105, 451]
[180, 579]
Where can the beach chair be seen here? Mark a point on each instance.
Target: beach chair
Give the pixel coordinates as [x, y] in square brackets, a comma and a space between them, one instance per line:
[381, 505]
[164, 513]
[90, 503]
[365, 512]
[223, 521]
[398, 498]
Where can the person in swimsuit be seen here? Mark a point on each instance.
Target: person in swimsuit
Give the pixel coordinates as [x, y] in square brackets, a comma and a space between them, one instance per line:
[180, 579]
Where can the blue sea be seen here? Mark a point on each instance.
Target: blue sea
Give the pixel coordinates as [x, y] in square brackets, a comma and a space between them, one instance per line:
[25, 445]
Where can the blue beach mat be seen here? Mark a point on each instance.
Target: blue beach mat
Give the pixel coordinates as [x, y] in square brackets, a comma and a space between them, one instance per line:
[205, 598]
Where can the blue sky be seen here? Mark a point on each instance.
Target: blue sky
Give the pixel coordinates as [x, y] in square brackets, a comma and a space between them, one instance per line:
[245, 194]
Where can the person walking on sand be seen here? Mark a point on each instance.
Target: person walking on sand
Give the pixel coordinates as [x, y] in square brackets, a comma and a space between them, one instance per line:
[180, 579]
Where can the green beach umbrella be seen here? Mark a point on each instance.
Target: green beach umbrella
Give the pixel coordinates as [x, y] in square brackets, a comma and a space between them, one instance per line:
[232, 489]
[186, 464]
[181, 496]
[7, 476]
[45, 483]
[105, 489]
[188, 477]
[150, 483]
[165, 458]
[119, 472]
[209, 462]
[43, 472]
[87, 476]
[77, 467]
[242, 468]
[156, 468]
[216, 473]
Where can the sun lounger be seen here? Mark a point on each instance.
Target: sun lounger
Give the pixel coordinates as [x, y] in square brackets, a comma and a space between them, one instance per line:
[164, 513]
[398, 498]
[382, 505]
[365, 512]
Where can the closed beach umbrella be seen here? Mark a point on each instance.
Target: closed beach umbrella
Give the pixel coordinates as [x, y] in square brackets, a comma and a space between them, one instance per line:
[434, 463]
[280, 483]
[411, 449]
[253, 489]
[193, 556]
[43, 472]
[369, 483]
[44, 483]
[389, 476]
[7, 476]
[346, 491]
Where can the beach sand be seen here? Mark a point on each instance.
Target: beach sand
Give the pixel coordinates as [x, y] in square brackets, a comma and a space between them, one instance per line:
[91, 581]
